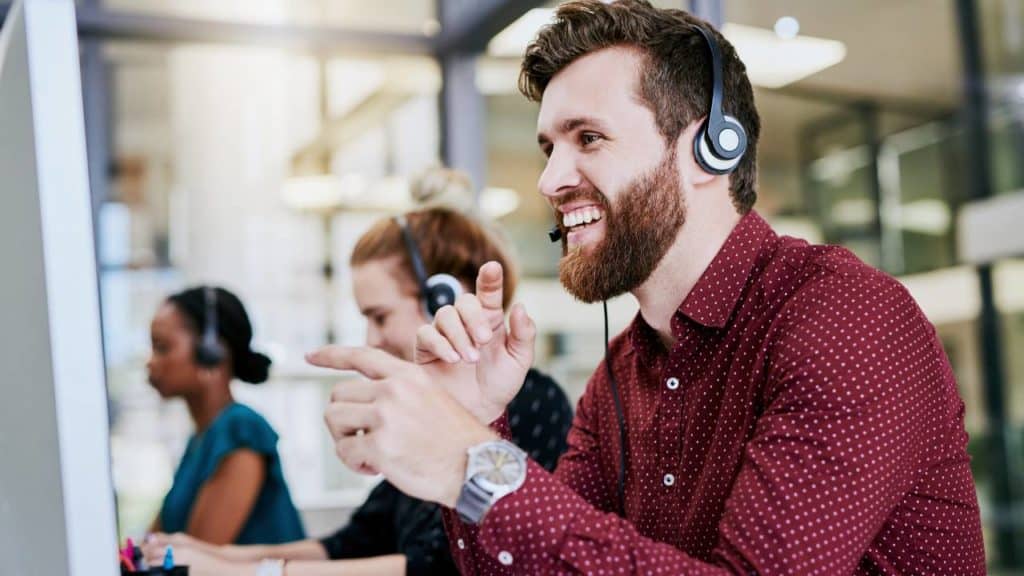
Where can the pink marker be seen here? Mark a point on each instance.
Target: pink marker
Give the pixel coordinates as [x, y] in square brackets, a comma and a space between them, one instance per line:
[127, 559]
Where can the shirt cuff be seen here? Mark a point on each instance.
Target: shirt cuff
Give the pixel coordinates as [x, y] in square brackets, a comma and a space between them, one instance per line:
[462, 540]
[502, 427]
[530, 525]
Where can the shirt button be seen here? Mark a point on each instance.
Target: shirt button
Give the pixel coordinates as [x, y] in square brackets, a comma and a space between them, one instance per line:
[669, 480]
[505, 558]
[672, 383]
[462, 544]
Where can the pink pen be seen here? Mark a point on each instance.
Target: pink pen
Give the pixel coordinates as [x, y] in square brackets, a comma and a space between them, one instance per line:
[127, 560]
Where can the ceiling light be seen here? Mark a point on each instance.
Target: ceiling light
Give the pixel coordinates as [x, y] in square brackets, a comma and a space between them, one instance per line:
[773, 62]
[787, 27]
[773, 58]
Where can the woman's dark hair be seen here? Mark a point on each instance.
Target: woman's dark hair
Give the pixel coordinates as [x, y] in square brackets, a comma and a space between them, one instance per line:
[233, 329]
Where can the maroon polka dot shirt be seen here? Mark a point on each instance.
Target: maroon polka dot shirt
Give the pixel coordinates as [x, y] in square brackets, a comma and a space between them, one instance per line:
[806, 421]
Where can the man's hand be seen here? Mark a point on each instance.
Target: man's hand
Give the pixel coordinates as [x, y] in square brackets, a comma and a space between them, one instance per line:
[473, 331]
[400, 422]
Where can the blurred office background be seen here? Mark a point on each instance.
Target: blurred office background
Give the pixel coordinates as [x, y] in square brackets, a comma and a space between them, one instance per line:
[248, 143]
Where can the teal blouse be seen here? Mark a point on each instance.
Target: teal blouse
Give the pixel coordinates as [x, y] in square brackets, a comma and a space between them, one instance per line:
[273, 519]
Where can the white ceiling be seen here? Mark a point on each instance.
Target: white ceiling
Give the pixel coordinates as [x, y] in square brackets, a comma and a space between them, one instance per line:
[904, 50]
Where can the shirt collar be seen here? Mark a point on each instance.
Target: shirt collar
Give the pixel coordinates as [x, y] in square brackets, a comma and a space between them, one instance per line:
[715, 295]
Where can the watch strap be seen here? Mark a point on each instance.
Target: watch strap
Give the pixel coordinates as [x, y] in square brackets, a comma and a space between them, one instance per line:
[473, 502]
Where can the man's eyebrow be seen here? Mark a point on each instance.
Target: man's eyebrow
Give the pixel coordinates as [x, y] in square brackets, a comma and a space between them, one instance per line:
[570, 124]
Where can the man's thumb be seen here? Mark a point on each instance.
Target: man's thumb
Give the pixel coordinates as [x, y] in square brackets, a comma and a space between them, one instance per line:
[522, 333]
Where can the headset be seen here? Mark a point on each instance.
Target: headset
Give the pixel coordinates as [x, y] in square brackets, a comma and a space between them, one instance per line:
[721, 140]
[718, 147]
[436, 291]
[209, 352]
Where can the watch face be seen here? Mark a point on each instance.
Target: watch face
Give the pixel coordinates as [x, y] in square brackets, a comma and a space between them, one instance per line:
[499, 467]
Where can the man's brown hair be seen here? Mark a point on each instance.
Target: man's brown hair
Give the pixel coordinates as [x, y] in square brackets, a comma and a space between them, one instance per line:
[448, 243]
[675, 81]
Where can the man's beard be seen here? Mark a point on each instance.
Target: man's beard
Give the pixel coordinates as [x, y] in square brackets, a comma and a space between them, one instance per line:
[638, 231]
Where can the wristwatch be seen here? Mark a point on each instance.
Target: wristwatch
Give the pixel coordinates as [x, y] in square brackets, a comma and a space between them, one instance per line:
[270, 567]
[494, 469]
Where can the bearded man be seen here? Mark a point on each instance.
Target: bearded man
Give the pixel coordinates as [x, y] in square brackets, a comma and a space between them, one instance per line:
[774, 408]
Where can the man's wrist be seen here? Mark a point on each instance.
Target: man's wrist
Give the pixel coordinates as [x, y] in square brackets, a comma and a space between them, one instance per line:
[489, 414]
[458, 478]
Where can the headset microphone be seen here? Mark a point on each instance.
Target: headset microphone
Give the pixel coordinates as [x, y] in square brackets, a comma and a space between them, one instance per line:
[555, 234]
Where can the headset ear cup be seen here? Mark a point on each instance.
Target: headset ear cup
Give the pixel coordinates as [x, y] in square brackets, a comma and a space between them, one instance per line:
[209, 354]
[698, 149]
[705, 155]
[739, 145]
[442, 290]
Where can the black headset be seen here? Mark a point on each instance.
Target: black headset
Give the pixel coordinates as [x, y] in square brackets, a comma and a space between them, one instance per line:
[209, 352]
[436, 291]
[718, 147]
[721, 140]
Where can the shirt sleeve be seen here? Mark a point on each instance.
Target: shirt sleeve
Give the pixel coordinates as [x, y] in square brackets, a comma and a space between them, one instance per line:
[861, 410]
[240, 428]
[370, 531]
[841, 440]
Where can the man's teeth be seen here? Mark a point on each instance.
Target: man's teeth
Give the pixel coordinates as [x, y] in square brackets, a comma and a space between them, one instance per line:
[581, 216]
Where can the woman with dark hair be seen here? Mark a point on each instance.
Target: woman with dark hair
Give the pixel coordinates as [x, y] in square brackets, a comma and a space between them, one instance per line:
[229, 486]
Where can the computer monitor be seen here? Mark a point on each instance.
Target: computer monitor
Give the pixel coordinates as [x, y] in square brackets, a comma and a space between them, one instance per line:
[56, 496]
